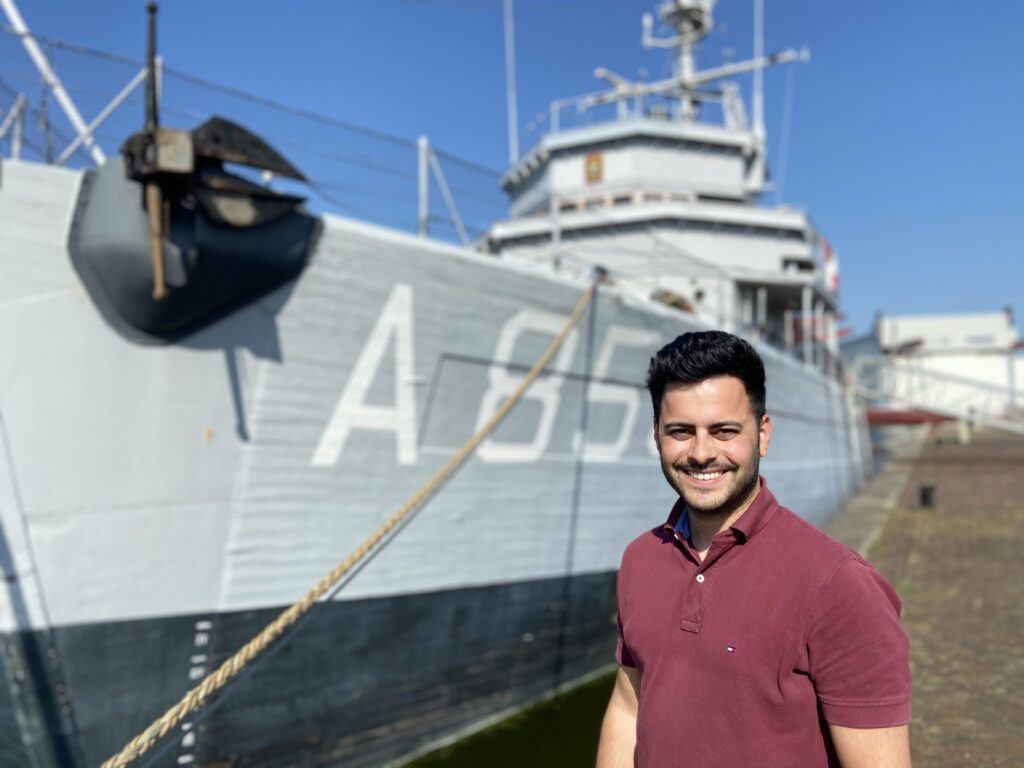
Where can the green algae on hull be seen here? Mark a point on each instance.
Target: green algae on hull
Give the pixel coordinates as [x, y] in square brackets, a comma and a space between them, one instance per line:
[560, 732]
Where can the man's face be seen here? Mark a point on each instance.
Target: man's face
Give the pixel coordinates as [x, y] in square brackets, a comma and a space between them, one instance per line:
[711, 444]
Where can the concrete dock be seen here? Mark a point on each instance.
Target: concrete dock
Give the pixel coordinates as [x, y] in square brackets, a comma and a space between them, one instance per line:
[959, 569]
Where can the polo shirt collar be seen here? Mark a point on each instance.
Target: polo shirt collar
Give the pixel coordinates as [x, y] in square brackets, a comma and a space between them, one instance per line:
[756, 516]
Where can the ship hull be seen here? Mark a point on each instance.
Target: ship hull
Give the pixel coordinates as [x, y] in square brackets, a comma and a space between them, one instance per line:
[159, 504]
[362, 682]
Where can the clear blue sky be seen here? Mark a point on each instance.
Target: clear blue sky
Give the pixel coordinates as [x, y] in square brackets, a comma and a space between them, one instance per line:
[905, 129]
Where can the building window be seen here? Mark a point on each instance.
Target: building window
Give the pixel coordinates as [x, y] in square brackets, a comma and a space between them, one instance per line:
[981, 340]
[791, 264]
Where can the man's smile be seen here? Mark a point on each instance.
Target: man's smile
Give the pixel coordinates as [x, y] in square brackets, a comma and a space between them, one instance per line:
[703, 476]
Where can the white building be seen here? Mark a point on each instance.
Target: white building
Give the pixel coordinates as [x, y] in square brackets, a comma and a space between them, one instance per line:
[958, 365]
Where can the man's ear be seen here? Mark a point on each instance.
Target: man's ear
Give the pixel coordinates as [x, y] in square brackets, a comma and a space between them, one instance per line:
[764, 435]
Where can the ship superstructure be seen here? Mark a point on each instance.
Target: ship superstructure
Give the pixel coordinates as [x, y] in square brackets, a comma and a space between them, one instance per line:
[665, 196]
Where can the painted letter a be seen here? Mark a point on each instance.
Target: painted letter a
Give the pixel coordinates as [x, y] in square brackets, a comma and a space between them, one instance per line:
[353, 412]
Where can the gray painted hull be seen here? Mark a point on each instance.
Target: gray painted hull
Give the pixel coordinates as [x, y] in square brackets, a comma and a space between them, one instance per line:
[158, 504]
[363, 682]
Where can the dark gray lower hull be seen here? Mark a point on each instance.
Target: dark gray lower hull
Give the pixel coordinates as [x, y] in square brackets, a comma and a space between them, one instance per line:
[361, 683]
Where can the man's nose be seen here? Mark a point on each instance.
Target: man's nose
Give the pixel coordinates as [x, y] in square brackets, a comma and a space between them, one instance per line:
[702, 450]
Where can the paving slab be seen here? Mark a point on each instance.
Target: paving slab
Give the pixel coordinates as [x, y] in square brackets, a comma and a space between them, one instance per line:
[865, 515]
[959, 569]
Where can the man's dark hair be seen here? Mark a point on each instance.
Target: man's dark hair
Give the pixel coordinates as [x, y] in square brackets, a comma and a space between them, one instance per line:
[695, 357]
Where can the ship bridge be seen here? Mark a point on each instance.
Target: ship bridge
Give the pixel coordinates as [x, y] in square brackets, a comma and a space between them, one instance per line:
[665, 196]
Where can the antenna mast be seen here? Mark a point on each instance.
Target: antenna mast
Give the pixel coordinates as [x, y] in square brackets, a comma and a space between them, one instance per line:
[692, 20]
[152, 115]
[758, 96]
[510, 84]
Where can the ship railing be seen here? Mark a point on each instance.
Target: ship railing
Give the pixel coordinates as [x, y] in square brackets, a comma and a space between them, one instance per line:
[13, 122]
[631, 102]
[817, 355]
[359, 172]
[639, 100]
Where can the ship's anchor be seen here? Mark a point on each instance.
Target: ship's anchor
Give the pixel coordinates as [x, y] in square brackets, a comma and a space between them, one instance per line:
[174, 164]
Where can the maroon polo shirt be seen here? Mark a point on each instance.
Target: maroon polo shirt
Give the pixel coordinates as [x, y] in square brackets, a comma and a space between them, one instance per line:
[747, 656]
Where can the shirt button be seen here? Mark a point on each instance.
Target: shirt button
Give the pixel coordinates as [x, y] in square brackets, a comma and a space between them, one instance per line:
[700, 578]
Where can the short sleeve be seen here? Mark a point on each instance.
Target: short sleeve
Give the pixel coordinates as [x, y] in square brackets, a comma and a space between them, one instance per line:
[622, 654]
[858, 655]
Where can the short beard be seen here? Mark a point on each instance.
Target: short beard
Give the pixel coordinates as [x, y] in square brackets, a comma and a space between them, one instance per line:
[733, 502]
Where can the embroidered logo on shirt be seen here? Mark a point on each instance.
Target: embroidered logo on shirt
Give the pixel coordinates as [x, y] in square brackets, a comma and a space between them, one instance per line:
[731, 648]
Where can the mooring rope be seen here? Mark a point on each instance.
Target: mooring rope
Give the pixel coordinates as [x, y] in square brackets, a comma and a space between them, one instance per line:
[216, 680]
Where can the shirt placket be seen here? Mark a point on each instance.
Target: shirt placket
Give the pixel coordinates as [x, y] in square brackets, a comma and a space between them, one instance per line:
[701, 576]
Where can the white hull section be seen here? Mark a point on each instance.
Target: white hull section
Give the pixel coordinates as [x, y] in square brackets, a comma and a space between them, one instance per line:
[231, 470]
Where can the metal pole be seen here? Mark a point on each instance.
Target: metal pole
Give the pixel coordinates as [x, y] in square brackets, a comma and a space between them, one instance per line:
[819, 324]
[423, 149]
[805, 316]
[12, 115]
[834, 341]
[762, 310]
[446, 193]
[830, 331]
[824, 351]
[787, 329]
[510, 84]
[759, 72]
[19, 126]
[154, 194]
[50, 76]
[102, 116]
[556, 231]
[579, 448]
[747, 309]
[830, 358]
[1011, 380]
[44, 125]
[158, 61]
[152, 113]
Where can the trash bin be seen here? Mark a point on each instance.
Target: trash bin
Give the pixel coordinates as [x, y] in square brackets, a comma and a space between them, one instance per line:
[926, 495]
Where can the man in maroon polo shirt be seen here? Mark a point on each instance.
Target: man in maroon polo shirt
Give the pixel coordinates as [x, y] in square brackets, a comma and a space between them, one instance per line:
[747, 637]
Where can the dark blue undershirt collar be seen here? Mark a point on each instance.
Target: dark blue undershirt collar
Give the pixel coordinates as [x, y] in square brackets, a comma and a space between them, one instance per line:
[683, 524]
